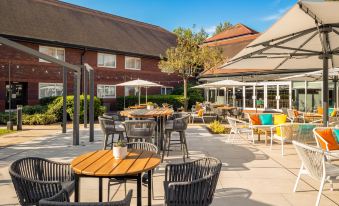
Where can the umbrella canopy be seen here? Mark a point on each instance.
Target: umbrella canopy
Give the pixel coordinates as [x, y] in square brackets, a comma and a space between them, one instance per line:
[305, 38]
[140, 83]
[312, 76]
[223, 83]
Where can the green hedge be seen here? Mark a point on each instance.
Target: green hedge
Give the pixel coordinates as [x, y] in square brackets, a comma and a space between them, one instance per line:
[55, 107]
[4, 117]
[38, 119]
[175, 100]
[35, 109]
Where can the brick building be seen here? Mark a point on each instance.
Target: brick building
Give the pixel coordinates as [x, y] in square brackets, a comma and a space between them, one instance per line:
[118, 49]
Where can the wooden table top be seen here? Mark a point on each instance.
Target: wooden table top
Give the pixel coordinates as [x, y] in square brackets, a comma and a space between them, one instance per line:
[102, 163]
[145, 113]
[312, 115]
[137, 107]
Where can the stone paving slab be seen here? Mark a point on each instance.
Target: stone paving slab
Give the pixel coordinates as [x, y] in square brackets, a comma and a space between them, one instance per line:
[251, 174]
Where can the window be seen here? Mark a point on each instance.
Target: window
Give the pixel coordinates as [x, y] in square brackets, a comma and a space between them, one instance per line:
[106, 60]
[132, 63]
[105, 91]
[50, 89]
[58, 53]
[166, 90]
[131, 91]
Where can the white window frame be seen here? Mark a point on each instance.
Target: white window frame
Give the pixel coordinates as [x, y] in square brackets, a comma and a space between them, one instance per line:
[134, 58]
[107, 66]
[56, 49]
[107, 96]
[165, 90]
[53, 84]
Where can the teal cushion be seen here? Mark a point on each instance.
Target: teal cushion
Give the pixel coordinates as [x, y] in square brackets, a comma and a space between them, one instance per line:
[266, 119]
[330, 110]
[336, 134]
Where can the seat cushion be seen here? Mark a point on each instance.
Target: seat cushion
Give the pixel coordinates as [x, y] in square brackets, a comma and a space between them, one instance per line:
[327, 135]
[255, 120]
[266, 119]
[279, 119]
[320, 110]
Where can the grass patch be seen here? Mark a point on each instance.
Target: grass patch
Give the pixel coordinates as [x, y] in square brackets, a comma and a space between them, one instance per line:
[5, 131]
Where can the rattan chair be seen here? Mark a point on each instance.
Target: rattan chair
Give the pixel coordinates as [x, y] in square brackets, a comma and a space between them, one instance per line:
[142, 130]
[133, 145]
[109, 127]
[62, 199]
[191, 183]
[177, 125]
[37, 178]
[313, 163]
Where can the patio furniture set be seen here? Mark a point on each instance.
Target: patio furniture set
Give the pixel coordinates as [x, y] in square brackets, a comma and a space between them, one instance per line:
[149, 136]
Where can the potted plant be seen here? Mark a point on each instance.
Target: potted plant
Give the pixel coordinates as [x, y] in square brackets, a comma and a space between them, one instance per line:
[150, 105]
[119, 150]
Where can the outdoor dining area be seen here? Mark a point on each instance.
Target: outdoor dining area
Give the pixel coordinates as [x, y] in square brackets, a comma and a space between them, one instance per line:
[142, 138]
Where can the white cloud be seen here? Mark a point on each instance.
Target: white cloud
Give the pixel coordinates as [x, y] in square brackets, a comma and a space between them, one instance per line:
[275, 16]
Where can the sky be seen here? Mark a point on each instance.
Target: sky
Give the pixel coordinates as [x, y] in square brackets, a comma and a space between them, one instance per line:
[170, 14]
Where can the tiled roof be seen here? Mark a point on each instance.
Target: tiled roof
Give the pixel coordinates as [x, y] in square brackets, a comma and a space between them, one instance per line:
[60, 22]
[235, 31]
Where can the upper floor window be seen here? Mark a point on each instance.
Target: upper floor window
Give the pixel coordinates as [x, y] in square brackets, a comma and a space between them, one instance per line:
[106, 91]
[56, 52]
[166, 90]
[50, 89]
[106, 60]
[132, 63]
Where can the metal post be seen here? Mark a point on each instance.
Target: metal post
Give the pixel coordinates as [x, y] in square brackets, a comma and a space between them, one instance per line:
[334, 95]
[91, 105]
[64, 100]
[9, 123]
[243, 96]
[233, 97]
[305, 97]
[146, 95]
[76, 112]
[325, 78]
[85, 97]
[139, 90]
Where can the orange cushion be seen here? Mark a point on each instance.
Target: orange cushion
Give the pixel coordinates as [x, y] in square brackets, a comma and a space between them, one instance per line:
[296, 113]
[320, 110]
[255, 119]
[327, 135]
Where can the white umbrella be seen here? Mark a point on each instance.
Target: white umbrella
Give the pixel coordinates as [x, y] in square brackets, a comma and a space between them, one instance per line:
[140, 83]
[309, 30]
[312, 76]
[227, 82]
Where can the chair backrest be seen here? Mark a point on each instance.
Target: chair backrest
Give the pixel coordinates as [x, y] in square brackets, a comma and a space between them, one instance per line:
[62, 199]
[143, 146]
[115, 117]
[290, 114]
[105, 123]
[140, 128]
[313, 159]
[232, 122]
[180, 124]
[301, 132]
[284, 110]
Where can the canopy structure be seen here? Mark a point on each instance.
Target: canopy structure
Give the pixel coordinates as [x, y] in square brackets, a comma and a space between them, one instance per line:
[313, 76]
[305, 38]
[223, 83]
[140, 83]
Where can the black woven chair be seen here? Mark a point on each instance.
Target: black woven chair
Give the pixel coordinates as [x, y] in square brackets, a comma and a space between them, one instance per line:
[191, 183]
[37, 178]
[177, 125]
[62, 199]
[109, 127]
[142, 130]
[133, 145]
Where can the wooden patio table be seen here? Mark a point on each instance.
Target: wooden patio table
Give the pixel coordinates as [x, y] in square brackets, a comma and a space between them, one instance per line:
[101, 164]
[160, 115]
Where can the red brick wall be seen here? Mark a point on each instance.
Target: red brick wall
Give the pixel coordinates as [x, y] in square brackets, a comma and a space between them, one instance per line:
[25, 68]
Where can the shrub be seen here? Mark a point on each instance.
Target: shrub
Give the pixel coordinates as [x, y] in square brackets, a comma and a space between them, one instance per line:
[216, 127]
[175, 100]
[47, 100]
[38, 119]
[4, 117]
[193, 95]
[55, 107]
[35, 109]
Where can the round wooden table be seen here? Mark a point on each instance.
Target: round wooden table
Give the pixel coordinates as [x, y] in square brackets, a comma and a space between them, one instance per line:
[101, 164]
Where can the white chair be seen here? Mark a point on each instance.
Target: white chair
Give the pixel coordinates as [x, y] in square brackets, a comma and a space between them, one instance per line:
[196, 115]
[333, 154]
[239, 130]
[300, 132]
[313, 163]
[292, 117]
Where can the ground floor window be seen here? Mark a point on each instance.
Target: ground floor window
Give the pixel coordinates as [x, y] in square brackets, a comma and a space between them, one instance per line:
[50, 89]
[106, 91]
[166, 90]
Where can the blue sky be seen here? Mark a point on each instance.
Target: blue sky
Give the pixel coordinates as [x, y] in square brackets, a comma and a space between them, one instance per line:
[170, 14]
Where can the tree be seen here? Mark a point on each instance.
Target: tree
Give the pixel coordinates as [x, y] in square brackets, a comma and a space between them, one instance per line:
[188, 58]
[222, 27]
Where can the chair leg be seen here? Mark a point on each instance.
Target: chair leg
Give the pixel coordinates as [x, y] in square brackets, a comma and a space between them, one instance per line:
[182, 145]
[282, 148]
[203, 120]
[164, 147]
[271, 143]
[105, 141]
[298, 178]
[108, 191]
[169, 142]
[320, 191]
[185, 144]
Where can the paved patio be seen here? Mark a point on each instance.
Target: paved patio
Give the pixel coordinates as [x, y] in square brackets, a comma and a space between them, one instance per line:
[251, 174]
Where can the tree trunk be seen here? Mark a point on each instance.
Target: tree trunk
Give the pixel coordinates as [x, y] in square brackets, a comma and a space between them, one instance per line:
[185, 94]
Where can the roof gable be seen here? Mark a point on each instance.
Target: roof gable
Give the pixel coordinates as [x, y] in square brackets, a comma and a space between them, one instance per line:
[61, 22]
